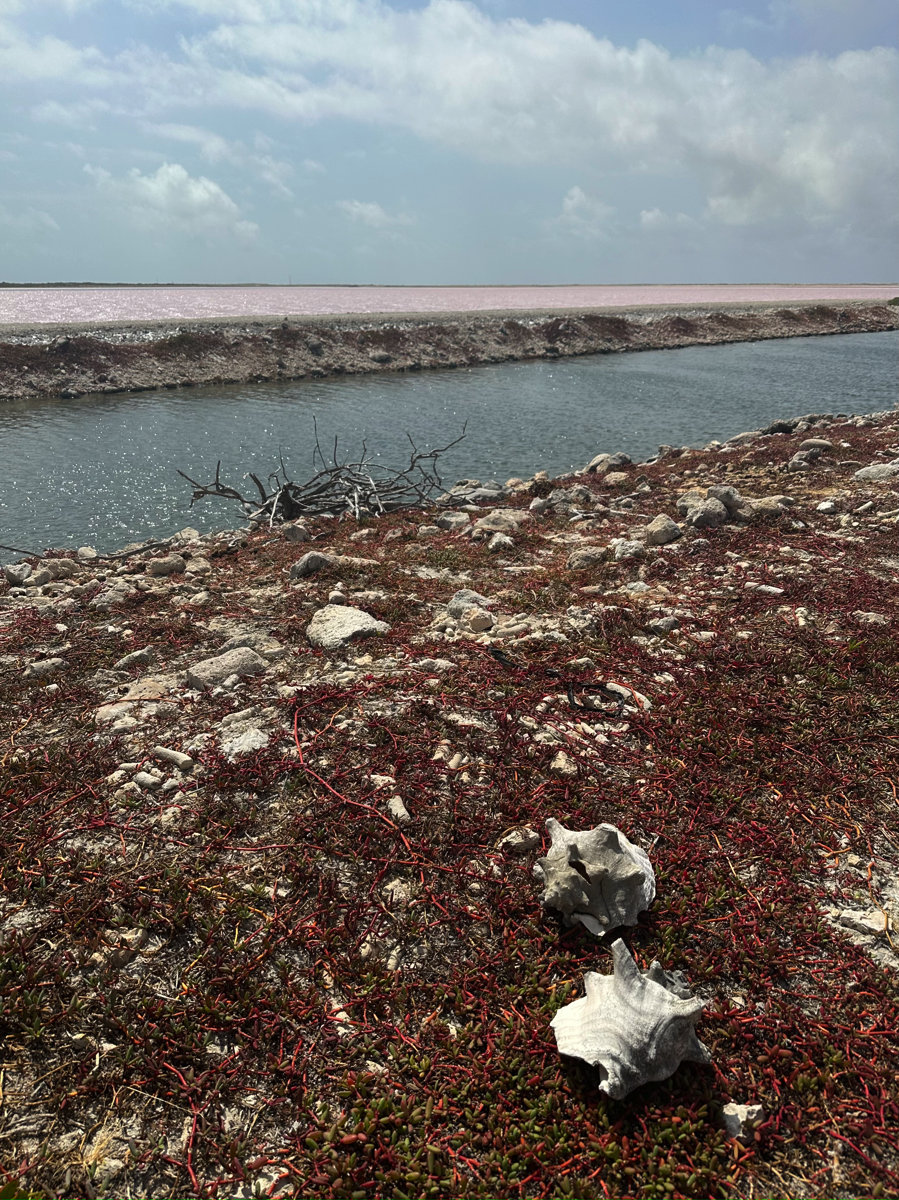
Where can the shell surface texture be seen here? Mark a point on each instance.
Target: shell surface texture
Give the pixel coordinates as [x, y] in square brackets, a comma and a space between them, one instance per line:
[635, 1026]
[595, 876]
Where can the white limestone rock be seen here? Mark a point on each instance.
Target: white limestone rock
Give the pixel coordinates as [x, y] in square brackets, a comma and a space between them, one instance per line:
[452, 520]
[661, 530]
[708, 514]
[878, 472]
[17, 573]
[584, 557]
[623, 549]
[463, 600]
[244, 742]
[171, 564]
[741, 1119]
[182, 761]
[336, 624]
[265, 646]
[563, 764]
[478, 619]
[398, 810]
[211, 672]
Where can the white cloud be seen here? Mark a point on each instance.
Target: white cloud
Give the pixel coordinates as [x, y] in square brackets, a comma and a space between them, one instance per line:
[35, 59]
[172, 200]
[367, 212]
[76, 114]
[809, 140]
[584, 216]
[806, 138]
[212, 146]
[657, 219]
[27, 220]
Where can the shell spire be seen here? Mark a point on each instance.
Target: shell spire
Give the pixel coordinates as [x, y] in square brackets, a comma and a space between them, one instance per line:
[635, 1026]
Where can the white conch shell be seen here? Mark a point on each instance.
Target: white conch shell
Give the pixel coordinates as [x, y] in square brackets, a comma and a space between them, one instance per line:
[596, 877]
[635, 1026]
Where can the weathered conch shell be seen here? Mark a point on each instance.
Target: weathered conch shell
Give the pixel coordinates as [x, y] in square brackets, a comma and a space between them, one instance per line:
[635, 1026]
[596, 877]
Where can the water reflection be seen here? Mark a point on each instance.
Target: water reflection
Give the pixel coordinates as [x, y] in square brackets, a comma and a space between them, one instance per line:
[102, 470]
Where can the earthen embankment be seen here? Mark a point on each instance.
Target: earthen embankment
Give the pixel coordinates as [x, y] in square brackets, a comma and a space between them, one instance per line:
[68, 361]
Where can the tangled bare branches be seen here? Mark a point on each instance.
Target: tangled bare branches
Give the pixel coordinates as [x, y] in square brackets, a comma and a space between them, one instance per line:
[358, 488]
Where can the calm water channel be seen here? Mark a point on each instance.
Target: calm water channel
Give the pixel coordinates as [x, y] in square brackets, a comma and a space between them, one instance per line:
[102, 470]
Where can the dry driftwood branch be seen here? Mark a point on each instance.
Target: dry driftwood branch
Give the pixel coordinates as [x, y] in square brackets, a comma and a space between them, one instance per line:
[339, 487]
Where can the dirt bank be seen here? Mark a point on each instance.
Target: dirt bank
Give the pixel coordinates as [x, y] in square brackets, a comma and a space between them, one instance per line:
[71, 360]
[268, 922]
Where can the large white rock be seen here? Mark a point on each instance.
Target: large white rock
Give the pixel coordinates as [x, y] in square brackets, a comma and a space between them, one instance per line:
[452, 520]
[213, 671]
[707, 514]
[688, 500]
[316, 560]
[267, 647]
[244, 743]
[172, 564]
[582, 558]
[622, 549]
[295, 532]
[729, 497]
[463, 600]
[878, 472]
[661, 530]
[336, 624]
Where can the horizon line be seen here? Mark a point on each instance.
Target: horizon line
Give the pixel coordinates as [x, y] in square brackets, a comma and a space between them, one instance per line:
[90, 283]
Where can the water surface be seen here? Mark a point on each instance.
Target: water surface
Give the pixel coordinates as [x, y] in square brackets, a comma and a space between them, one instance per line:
[37, 306]
[102, 470]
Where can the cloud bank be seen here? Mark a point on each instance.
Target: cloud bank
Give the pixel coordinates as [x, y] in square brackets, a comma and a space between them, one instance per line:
[267, 101]
[810, 138]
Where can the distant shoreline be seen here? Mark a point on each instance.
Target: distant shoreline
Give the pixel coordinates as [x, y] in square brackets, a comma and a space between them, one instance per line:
[70, 360]
[4, 284]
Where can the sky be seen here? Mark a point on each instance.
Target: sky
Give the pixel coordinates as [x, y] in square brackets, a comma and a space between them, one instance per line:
[449, 141]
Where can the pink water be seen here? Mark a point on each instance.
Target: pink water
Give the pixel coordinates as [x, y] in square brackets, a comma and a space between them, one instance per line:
[38, 306]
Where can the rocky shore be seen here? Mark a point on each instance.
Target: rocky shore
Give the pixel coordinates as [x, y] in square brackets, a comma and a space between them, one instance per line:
[273, 796]
[121, 357]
